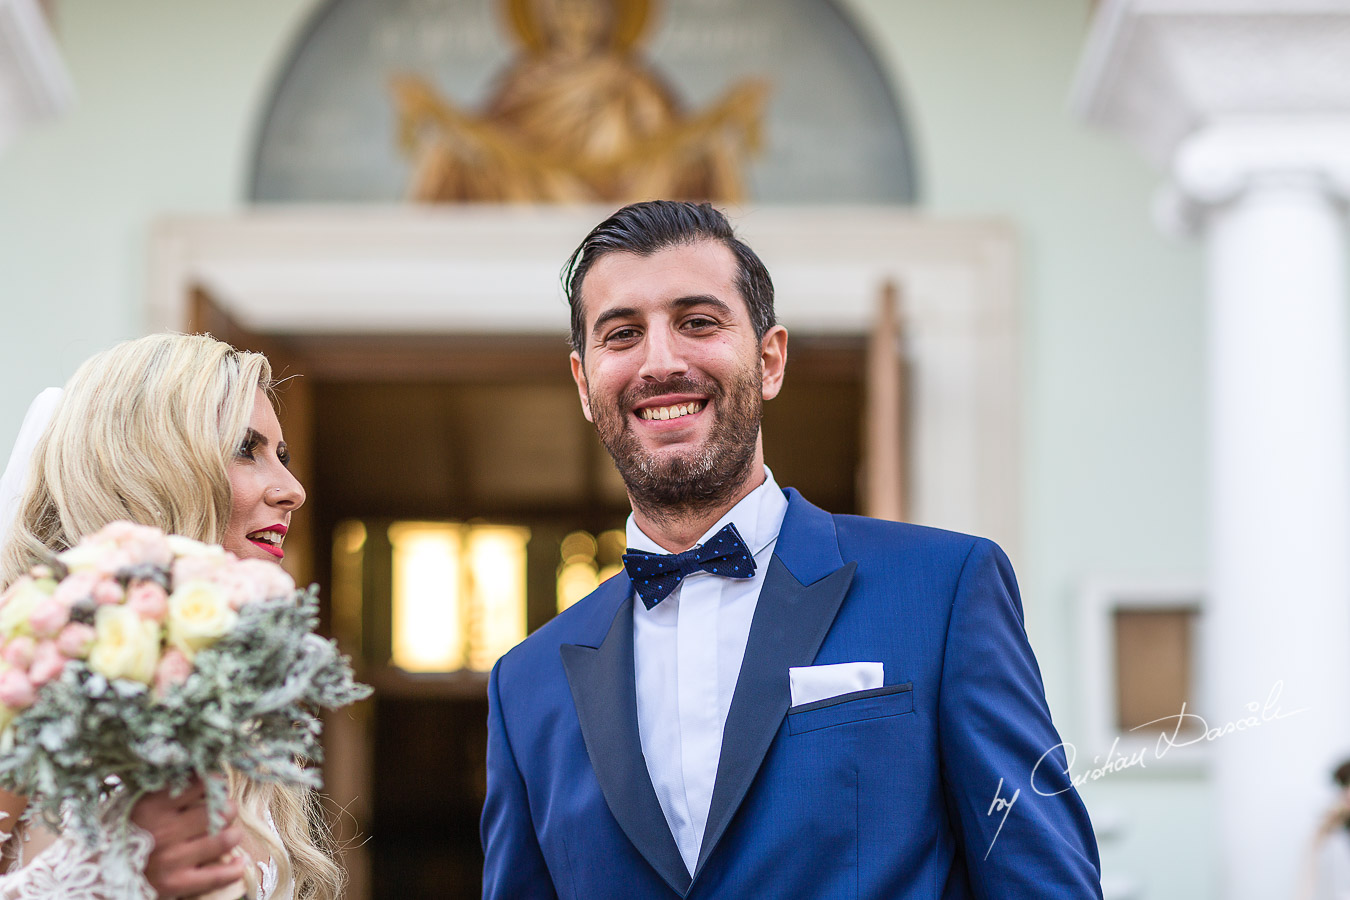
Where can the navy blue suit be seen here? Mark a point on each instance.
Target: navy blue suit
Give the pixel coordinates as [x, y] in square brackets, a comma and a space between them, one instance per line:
[881, 794]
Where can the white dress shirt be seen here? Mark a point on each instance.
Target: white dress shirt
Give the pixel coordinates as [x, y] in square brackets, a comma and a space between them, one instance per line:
[687, 656]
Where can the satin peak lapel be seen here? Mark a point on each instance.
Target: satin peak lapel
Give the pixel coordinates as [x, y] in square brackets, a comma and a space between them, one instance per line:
[790, 623]
[602, 683]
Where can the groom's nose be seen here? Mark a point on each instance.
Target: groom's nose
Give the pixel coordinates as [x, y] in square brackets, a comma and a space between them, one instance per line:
[664, 354]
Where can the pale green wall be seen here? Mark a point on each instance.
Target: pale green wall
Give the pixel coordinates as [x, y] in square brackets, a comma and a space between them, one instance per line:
[167, 97]
[169, 93]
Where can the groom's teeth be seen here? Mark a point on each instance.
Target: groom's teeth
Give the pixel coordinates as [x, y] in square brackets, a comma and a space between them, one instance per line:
[671, 412]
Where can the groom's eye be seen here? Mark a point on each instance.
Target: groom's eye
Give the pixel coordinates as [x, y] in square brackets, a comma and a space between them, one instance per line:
[622, 336]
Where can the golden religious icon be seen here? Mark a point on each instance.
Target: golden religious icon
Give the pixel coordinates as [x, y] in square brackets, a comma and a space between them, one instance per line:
[578, 117]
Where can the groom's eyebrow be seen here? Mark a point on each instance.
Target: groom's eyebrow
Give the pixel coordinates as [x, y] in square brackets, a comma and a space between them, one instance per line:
[702, 300]
[609, 315]
[628, 312]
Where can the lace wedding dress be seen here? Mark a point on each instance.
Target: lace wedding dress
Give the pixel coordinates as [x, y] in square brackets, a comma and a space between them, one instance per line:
[69, 869]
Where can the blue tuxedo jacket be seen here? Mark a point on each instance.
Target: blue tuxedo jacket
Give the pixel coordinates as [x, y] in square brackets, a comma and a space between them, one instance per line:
[886, 793]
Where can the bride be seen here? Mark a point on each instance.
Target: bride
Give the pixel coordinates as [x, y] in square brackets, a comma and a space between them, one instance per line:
[178, 432]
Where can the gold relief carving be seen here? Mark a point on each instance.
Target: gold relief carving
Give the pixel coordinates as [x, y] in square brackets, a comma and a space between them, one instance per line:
[578, 117]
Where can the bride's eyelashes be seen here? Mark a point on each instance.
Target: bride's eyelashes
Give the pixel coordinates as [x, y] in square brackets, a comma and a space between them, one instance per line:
[248, 447]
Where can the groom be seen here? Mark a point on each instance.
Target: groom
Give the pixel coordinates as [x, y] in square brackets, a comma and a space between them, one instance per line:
[771, 701]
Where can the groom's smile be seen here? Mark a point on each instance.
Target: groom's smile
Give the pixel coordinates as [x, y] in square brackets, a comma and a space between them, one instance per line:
[672, 416]
[675, 411]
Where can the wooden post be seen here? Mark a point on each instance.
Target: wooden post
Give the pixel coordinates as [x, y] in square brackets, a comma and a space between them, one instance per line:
[883, 493]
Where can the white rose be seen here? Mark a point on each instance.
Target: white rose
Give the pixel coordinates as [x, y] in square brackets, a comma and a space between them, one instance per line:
[86, 556]
[18, 602]
[185, 546]
[125, 645]
[199, 615]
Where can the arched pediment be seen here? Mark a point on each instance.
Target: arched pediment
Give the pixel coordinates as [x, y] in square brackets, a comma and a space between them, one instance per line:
[761, 101]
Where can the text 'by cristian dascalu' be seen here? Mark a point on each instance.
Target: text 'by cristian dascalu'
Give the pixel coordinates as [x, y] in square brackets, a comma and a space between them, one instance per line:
[1181, 730]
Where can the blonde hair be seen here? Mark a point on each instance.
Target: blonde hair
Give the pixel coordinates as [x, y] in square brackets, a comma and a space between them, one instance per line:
[145, 431]
[302, 846]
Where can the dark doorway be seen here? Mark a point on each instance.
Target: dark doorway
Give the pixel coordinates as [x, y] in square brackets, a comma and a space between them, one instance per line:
[477, 429]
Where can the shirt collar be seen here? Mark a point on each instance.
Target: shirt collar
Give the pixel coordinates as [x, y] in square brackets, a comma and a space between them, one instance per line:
[758, 517]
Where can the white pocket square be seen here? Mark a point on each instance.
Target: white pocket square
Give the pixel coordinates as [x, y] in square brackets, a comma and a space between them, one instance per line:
[812, 683]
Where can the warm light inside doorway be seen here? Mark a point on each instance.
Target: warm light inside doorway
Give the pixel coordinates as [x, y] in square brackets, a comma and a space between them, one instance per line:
[496, 607]
[459, 594]
[586, 562]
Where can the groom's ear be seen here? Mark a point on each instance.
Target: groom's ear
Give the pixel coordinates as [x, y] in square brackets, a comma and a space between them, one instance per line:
[579, 376]
[773, 361]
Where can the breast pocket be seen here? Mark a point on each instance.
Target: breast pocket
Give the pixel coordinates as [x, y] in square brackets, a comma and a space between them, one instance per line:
[858, 706]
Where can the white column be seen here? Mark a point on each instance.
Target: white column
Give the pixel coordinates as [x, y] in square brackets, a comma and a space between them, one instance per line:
[1247, 103]
[1277, 640]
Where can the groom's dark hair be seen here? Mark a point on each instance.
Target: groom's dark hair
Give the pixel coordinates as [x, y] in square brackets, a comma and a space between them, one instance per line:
[648, 227]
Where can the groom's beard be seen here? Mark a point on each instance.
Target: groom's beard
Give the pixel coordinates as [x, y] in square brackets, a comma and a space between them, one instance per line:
[676, 483]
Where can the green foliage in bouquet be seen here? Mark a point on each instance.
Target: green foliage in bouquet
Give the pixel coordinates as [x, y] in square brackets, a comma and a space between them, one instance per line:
[250, 703]
[136, 661]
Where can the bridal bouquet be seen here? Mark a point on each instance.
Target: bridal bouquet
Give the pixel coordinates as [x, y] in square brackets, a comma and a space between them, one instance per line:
[142, 659]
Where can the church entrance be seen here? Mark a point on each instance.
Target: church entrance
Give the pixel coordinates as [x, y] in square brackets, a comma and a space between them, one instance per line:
[457, 497]
[415, 438]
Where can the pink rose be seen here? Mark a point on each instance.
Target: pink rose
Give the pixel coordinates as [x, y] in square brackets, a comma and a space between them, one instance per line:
[114, 561]
[49, 617]
[149, 600]
[150, 548]
[198, 568]
[173, 669]
[16, 691]
[107, 592]
[254, 580]
[116, 532]
[19, 652]
[75, 640]
[76, 587]
[140, 545]
[48, 662]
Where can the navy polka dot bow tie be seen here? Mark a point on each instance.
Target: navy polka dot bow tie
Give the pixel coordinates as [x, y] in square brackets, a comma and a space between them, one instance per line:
[655, 575]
